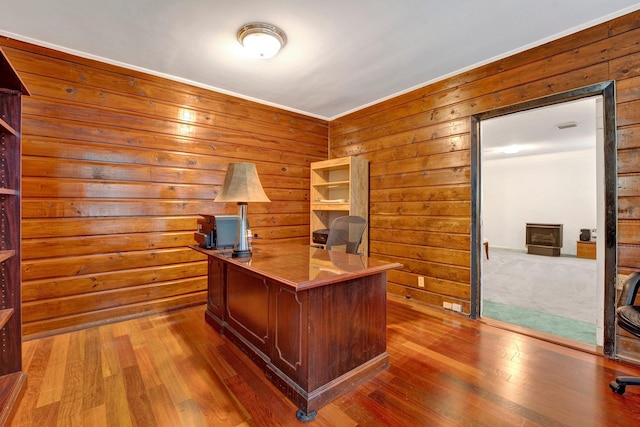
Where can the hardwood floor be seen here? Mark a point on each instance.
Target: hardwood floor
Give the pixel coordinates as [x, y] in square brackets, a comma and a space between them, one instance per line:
[174, 370]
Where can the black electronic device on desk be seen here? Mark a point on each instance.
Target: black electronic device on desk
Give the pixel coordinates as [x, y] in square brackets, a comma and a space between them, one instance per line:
[216, 232]
[320, 236]
[585, 235]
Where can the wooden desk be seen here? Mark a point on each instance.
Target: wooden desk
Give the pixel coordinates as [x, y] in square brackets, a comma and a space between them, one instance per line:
[313, 320]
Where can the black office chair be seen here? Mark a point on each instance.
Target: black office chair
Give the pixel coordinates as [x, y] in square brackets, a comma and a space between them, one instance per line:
[628, 317]
[346, 231]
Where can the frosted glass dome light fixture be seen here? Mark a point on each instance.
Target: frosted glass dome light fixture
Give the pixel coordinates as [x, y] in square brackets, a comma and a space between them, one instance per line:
[512, 149]
[262, 40]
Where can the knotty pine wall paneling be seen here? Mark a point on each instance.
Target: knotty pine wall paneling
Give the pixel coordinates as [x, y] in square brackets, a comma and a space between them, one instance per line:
[418, 146]
[118, 164]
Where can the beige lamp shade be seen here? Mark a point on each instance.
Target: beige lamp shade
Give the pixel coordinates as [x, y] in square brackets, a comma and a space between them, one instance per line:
[241, 184]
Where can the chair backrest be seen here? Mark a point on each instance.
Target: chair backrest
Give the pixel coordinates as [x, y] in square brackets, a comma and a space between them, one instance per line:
[346, 231]
[627, 313]
[629, 291]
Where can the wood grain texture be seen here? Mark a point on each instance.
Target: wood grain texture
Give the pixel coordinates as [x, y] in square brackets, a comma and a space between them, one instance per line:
[314, 321]
[175, 370]
[344, 178]
[419, 153]
[118, 165]
[12, 379]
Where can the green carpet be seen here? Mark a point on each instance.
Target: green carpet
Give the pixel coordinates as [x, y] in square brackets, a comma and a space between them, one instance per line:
[549, 323]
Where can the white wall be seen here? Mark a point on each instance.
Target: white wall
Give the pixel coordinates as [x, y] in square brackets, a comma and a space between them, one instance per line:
[557, 188]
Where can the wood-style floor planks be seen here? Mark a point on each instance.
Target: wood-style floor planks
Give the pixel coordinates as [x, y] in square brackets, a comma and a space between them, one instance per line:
[174, 370]
[117, 406]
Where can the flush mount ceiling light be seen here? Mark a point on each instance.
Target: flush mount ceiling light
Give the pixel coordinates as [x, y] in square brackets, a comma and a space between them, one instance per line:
[263, 41]
[566, 125]
[511, 149]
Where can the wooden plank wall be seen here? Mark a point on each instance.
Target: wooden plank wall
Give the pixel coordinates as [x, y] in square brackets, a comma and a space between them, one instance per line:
[118, 164]
[418, 146]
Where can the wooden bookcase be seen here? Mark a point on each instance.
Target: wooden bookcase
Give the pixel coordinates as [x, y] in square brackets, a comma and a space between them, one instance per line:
[12, 379]
[339, 187]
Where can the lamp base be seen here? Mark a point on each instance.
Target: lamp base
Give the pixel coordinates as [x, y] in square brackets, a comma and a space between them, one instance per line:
[240, 254]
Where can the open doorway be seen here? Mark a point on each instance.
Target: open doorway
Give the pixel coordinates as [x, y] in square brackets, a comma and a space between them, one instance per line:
[539, 192]
[600, 97]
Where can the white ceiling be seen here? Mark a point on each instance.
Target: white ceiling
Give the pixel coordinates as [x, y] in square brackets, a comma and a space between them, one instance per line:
[340, 56]
[536, 131]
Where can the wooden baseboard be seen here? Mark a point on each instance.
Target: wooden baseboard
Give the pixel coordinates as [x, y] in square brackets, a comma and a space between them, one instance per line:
[99, 323]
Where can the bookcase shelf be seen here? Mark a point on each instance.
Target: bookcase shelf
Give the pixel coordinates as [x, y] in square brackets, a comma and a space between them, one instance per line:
[8, 191]
[7, 128]
[6, 254]
[5, 315]
[339, 187]
[12, 378]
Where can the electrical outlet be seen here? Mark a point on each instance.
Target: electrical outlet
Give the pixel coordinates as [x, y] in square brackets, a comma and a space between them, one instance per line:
[446, 305]
[421, 281]
[456, 307]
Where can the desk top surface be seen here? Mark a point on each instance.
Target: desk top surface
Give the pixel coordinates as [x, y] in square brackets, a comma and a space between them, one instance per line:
[303, 267]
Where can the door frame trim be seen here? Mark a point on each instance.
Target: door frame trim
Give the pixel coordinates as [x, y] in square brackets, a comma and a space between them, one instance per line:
[609, 237]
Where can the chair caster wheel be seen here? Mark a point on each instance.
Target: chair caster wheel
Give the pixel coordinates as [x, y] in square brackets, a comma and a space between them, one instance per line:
[306, 417]
[618, 388]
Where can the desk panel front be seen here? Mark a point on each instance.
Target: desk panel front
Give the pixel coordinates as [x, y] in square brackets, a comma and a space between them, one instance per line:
[314, 320]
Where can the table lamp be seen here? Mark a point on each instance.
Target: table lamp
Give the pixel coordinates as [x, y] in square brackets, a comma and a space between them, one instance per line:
[242, 185]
